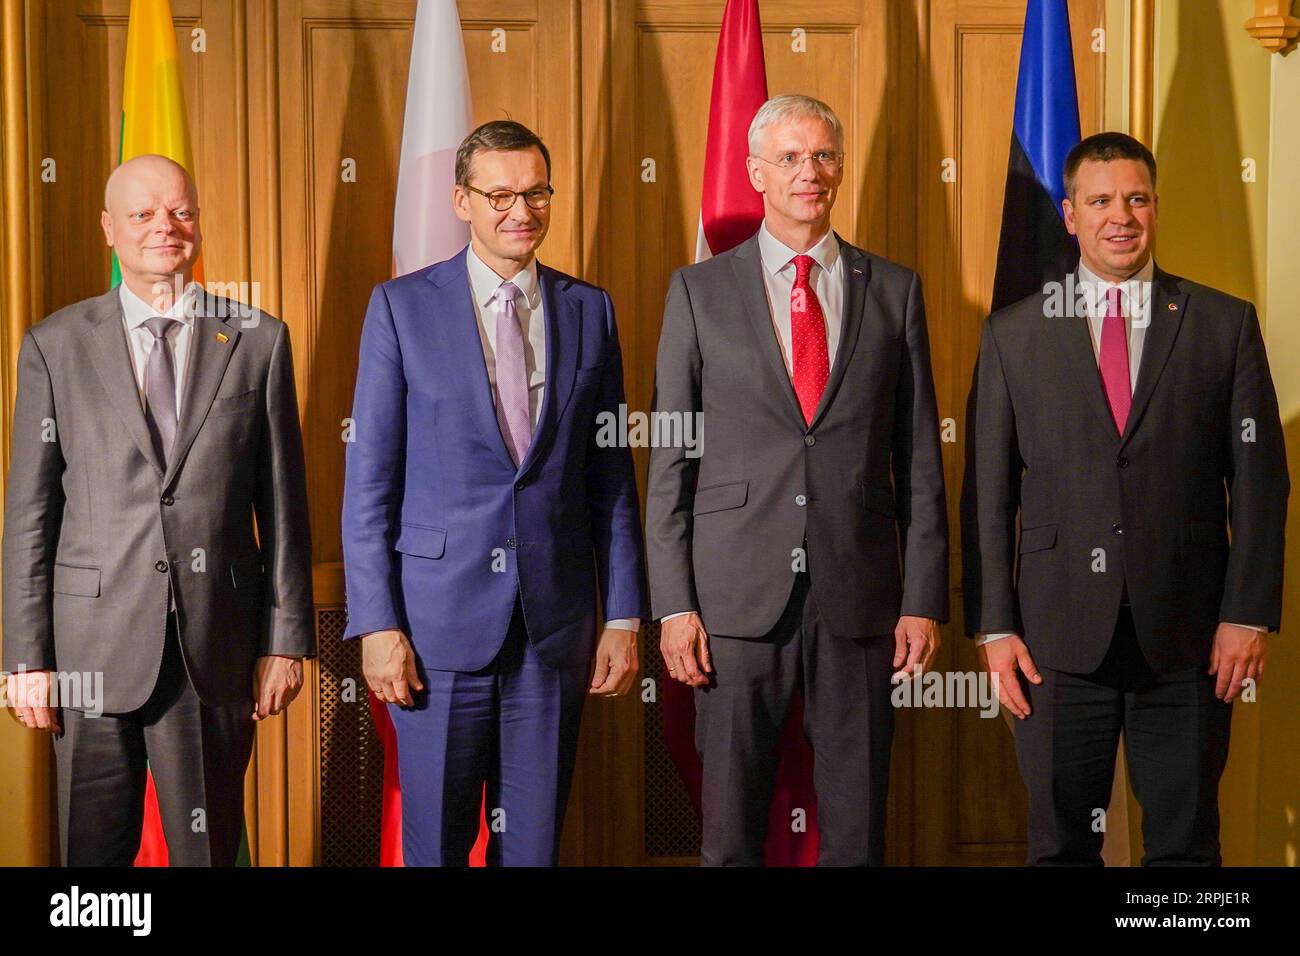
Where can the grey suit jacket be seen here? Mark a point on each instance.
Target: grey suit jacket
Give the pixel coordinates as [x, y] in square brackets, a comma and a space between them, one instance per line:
[97, 532]
[863, 483]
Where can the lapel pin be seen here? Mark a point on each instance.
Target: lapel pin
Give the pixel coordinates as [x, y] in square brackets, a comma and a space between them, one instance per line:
[223, 338]
[1172, 307]
[857, 272]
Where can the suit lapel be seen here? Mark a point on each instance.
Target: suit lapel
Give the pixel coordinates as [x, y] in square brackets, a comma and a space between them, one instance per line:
[110, 353]
[1168, 303]
[747, 264]
[563, 333]
[458, 326]
[857, 271]
[205, 366]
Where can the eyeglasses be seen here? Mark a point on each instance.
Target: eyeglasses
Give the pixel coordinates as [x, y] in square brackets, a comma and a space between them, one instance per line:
[825, 158]
[504, 199]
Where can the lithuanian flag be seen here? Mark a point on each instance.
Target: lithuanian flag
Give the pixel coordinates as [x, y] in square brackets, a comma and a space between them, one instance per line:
[153, 97]
[154, 122]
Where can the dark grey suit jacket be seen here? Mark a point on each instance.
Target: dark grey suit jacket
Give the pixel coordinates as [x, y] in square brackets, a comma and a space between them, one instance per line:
[96, 532]
[1155, 502]
[722, 528]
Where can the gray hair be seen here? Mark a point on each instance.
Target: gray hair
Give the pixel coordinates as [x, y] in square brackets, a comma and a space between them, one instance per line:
[789, 105]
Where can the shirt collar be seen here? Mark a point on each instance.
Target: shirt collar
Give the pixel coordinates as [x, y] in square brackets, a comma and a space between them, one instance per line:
[777, 255]
[484, 282]
[1095, 287]
[137, 311]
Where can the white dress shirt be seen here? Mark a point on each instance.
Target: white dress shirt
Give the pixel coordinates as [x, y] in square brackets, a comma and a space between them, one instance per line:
[483, 283]
[1135, 301]
[779, 273]
[136, 312]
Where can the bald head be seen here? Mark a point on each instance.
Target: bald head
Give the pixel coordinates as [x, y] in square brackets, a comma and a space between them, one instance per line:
[150, 168]
[151, 220]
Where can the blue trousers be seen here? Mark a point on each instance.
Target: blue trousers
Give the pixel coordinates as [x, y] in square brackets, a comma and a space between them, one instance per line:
[513, 726]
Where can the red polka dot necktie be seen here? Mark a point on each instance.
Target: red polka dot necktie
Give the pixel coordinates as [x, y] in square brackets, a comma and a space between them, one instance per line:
[808, 340]
[1113, 359]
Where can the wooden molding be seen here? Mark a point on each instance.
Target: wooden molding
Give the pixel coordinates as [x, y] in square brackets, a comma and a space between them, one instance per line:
[1273, 25]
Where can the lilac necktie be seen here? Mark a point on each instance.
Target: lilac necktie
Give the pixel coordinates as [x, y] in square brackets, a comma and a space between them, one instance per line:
[160, 388]
[513, 412]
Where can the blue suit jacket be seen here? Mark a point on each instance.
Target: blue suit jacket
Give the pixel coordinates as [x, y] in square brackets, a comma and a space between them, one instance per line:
[440, 530]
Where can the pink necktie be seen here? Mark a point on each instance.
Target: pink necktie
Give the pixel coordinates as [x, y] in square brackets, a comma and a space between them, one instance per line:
[811, 365]
[513, 413]
[1114, 360]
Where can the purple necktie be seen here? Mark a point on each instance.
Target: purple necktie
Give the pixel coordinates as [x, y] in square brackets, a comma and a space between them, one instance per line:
[513, 413]
[1113, 359]
[160, 388]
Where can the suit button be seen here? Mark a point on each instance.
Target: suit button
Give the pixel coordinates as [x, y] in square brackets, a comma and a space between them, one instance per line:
[1122, 461]
[519, 485]
[160, 566]
[510, 543]
[809, 440]
[1117, 528]
[800, 500]
[168, 500]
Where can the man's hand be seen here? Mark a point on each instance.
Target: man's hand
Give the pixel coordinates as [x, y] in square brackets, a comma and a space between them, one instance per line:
[1238, 653]
[388, 663]
[1004, 658]
[616, 663]
[916, 640]
[684, 644]
[29, 696]
[276, 682]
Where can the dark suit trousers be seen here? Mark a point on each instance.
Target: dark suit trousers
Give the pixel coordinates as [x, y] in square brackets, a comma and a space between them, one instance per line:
[848, 719]
[1176, 740]
[197, 755]
[513, 726]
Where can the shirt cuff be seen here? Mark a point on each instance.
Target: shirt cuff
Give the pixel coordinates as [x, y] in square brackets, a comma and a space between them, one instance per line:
[624, 624]
[669, 617]
[1253, 627]
[992, 636]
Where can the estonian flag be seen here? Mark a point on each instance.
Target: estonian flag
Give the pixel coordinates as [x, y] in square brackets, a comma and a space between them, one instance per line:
[1034, 247]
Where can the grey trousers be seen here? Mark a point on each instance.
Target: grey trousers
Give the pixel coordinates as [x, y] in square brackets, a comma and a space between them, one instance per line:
[197, 755]
[848, 719]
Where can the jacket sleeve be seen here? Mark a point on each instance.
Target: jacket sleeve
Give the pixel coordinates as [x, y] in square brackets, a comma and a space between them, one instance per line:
[376, 462]
[280, 505]
[612, 500]
[990, 498]
[1258, 487]
[670, 495]
[33, 514]
[918, 473]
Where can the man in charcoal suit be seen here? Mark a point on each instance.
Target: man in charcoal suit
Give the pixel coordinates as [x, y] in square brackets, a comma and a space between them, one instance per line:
[1128, 432]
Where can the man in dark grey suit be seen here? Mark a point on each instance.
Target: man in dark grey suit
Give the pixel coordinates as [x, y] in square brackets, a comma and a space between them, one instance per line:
[1127, 417]
[774, 555]
[153, 425]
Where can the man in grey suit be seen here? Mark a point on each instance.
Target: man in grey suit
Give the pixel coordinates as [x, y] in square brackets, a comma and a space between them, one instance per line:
[153, 425]
[774, 555]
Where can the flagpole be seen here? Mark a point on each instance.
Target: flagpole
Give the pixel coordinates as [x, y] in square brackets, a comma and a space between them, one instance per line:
[1141, 83]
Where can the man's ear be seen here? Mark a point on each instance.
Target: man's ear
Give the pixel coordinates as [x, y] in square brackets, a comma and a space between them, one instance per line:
[460, 202]
[106, 223]
[755, 170]
[1067, 210]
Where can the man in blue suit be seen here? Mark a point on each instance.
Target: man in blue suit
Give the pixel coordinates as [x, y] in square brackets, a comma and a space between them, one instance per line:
[480, 513]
